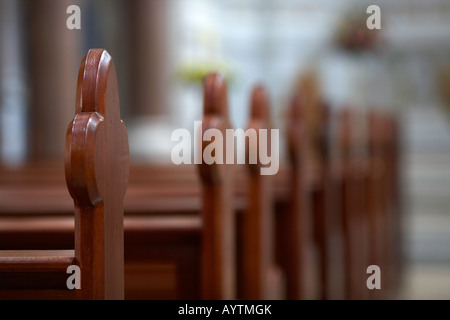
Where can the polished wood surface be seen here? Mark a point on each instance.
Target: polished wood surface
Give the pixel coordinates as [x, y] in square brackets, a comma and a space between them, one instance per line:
[96, 169]
[260, 278]
[218, 234]
[35, 260]
[354, 211]
[205, 231]
[296, 251]
[327, 216]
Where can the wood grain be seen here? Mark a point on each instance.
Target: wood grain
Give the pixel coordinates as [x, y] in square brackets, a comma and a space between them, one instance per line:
[260, 275]
[296, 230]
[218, 241]
[97, 169]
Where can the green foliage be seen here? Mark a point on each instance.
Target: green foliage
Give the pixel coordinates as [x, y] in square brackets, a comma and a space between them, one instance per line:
[195, 71]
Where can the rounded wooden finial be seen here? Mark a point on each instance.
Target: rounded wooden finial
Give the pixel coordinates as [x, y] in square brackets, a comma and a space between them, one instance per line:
[96, 155]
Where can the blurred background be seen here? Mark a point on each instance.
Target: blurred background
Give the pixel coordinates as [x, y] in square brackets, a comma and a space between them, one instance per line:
[162, 49]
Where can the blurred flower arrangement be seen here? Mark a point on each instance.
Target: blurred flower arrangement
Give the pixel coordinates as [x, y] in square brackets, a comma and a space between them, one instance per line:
[354, 36]
[194, 71]
[206, 58]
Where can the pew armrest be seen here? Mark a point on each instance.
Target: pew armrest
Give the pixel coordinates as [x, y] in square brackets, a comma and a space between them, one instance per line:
[36, 260]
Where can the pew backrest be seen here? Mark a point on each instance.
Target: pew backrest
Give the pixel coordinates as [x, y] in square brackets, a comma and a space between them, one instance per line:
[96, 169]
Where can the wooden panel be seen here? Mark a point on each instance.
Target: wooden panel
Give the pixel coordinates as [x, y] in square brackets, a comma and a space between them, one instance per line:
[259, 278]
[96, 168]
[218, 241]
[296, 251]
[97, 172]
[144, 278]
[354, 212]
[34, 274]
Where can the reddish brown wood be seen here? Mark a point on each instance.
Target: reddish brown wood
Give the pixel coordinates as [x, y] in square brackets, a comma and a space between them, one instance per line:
[335, 283]
[260, 278]
[29, 260]
[394, 176]
[391, 216]
[165, 232]
[295, 247]
[325, 207]
[375, 199]
[382, 185]
[97, 175]
[160, 198]
[355, 220]
[218, 234]
[35, 274]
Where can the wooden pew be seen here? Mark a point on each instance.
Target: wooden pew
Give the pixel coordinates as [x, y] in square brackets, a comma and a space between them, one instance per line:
[372, 232]
[383, 187]
[96, 167]
[323, 187]
[218, 232]
[191, 243]
[295, 243]
[394, 175]
[167, 244]
[163, 228]
[218, 220]
[259, 278]
[326, 209]
[353, 200]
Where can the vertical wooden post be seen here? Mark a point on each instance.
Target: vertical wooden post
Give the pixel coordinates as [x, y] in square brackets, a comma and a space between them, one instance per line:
[260, 274]
[326, 211]
[336, 279]
[96, 159]
[353, 209]
[297, 228]
[376, 188]
[396, 205]
[218, 237]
